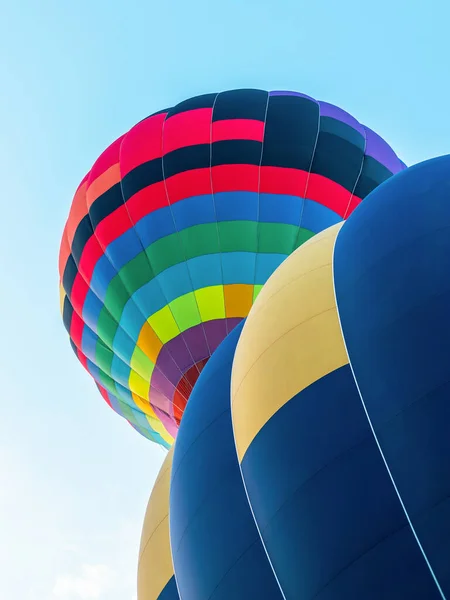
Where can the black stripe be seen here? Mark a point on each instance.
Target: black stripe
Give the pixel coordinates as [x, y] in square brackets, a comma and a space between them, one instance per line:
[106, 204]
[142, 176]
[236, 152]
[70, 272]
[67, 314]
[83, 233]
[205, 101]
[373, 174]
[186, 159]
[74, 348]
[342, 130]
[241, 104]
[158, 112]
[338, 160]
[290, 132]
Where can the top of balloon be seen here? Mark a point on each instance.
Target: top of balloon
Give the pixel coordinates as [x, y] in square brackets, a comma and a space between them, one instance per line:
[180, 222]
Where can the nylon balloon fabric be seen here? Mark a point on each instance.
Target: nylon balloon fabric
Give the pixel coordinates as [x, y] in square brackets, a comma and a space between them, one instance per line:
[180, 222]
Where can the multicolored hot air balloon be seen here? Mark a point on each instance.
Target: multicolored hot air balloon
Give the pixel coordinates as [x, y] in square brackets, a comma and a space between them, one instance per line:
[181, 221]
[340, 408]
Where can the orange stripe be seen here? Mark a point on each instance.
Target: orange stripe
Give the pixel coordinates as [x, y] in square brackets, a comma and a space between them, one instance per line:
[64, 253]
[103, 183]
[78, 211]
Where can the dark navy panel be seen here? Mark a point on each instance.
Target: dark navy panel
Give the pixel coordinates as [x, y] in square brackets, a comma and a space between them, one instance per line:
[372, 175]
[240, 104]
[290, 134]
[330, 519]
[392, 280]
[204, 101]
[217, 552]
[339, 153]
[170, 591]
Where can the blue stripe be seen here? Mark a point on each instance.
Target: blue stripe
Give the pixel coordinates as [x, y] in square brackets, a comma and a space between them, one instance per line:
[277, 208]
[92, 308]
[94, 371]
[238, 267]
[102, 276]
[192, 211]
[88, 343]
[266, 264]
[236, 206]
[120, 372]
[317, 217]
[156, 225]
[123, 345]
[205, 271]
[123, 249]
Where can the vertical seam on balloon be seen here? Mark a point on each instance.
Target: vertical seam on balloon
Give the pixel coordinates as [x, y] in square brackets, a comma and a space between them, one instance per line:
[369, 420]
[258, 208]
[181, 244]
[170, 400]
[215, 214]
[359, 174]
[305, 191]
[245, 487]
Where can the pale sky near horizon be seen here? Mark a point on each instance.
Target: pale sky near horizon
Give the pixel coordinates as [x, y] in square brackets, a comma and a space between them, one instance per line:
[74, 477]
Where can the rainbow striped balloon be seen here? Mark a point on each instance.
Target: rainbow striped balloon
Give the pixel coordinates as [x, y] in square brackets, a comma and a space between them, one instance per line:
[180, 222]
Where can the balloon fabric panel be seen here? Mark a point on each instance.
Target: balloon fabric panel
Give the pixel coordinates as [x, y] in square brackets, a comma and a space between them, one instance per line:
[216, 549]
[329, 517]
[391, 279]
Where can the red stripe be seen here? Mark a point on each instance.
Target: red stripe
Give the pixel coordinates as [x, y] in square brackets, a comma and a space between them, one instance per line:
[351, 207]
[113, 226]
[237, 129]
[235, 178]
[104, 394]
[190, 183]
[76, 329]
[142, 143]
[280, 180]
[83, 360]
[92, 252]
[107, 159]
[329, 193]
[79, 292]
[187, 129]
[146, 201]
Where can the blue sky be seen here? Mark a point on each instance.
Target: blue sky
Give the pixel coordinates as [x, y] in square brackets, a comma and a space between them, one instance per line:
[74, 477]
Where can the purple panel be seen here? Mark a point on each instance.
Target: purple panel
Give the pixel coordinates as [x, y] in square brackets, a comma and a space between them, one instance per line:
[329, 110]
[168, 423]
[195, 340]
[380, 150]
[216, 331]
[166, 364]
[160, 383]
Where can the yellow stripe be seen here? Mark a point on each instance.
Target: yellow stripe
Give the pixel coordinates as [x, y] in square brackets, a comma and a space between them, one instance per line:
[155, 566]
[150, 415]
[62, 295]
[291, 339]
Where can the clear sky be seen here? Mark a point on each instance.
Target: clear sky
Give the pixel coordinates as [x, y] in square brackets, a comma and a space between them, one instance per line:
[74, 477]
